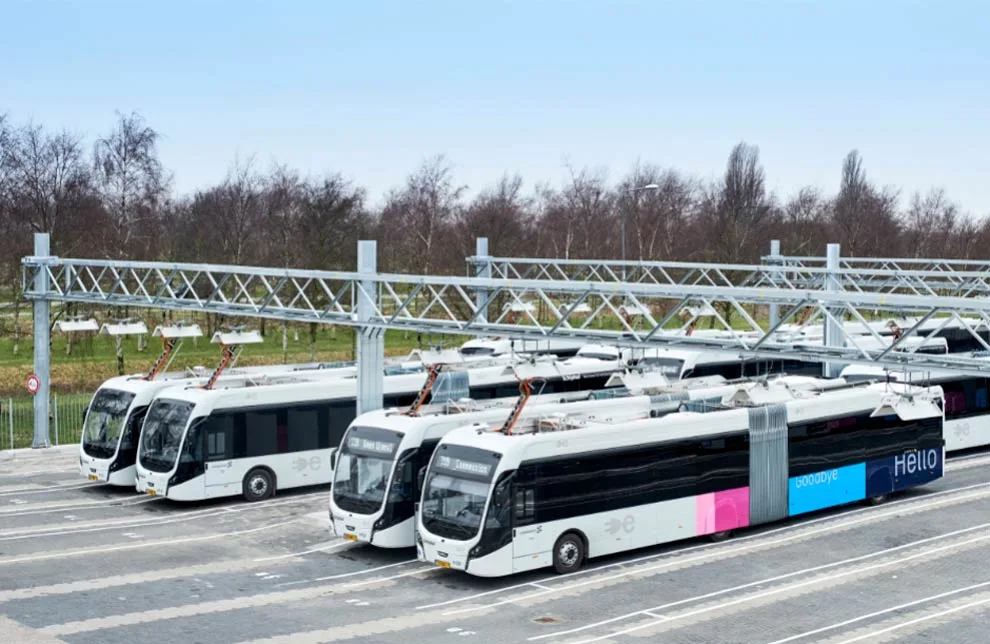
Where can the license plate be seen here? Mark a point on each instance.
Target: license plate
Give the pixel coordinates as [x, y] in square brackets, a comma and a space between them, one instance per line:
[443, 564]
[152, 492]
[94, 477]
[350, 537]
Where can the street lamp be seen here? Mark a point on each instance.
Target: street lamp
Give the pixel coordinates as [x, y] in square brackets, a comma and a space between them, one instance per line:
[632, 191]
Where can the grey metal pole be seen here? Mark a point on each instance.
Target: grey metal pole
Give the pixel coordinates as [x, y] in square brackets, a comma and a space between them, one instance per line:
[10, 417]
[484, 269]
[370, 341]
[774, 255]
[623, 233]
[42, 350]
[833, 332]
[55, 415]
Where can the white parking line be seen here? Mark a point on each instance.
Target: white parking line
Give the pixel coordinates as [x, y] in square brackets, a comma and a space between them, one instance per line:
[783, 589]
[710, 551]
[355, 573]
[333, 545]
[872, 636]
[878, 613]
[88, 505]
[768, 580]
[148, 544]
[98, 526]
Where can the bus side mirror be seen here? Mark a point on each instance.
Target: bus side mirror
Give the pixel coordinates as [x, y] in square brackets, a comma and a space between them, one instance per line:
[420, 477]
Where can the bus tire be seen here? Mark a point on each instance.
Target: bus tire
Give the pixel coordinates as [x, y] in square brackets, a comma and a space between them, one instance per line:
[720, 536]
[877, 500]
[568, 553]
[259, 484]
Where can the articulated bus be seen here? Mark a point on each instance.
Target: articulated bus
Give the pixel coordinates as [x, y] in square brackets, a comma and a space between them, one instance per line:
[376, 479]
[496, 503]
[251, 438]
[967, 412]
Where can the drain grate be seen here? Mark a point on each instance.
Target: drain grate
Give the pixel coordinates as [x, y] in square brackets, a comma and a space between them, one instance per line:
[547, 620]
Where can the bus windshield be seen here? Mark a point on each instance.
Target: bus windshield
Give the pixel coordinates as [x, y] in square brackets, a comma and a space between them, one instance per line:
[162, 433]
[105, 422]
[364, 467]
[456, 491]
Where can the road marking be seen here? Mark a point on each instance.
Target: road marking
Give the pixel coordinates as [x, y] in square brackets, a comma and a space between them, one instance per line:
[769, 580]
[787, 528]
[675, 558]
[98, 526]
[213, 607]
[333, 545]
[791, 587]
[878, 613]
[355, 573]
[147, 544]
[917, 620]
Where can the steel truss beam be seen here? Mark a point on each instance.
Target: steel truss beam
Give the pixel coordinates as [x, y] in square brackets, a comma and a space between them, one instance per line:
[444, 304]
[916, 277]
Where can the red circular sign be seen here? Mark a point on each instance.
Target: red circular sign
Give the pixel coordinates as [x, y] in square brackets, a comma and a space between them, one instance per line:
[33, 384]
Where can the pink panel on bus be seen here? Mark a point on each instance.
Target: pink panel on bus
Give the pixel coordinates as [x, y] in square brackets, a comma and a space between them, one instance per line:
[718, 511]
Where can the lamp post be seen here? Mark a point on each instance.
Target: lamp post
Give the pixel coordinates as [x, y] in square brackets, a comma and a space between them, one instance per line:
[633, 192]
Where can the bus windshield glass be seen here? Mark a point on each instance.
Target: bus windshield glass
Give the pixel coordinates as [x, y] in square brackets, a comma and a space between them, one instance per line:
[364, 467]
[668, 367]
[105, 422]
[457, 488]
[162, 433]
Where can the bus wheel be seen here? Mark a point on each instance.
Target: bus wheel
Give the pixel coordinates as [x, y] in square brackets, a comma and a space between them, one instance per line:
[568, 553]
[258, 485]
[878, 499]
[720, 536]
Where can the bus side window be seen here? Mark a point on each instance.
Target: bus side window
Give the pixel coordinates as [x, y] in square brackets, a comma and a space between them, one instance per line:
[525, 505]
[218, 437]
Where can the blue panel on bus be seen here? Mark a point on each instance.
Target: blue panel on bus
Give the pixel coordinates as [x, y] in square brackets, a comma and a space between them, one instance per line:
[811, 492]
[909, 469]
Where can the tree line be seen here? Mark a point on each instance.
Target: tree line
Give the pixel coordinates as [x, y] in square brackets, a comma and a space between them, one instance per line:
[113, 198]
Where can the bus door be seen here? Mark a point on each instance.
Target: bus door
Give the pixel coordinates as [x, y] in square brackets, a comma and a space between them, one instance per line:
[221, 477]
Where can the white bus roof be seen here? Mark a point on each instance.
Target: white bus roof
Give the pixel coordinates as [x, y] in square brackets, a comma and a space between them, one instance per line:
[590, 436]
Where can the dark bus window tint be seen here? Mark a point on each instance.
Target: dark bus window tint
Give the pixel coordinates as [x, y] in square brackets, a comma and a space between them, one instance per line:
[341, 415]
[261, 433]
[303, 427]
[847, 441]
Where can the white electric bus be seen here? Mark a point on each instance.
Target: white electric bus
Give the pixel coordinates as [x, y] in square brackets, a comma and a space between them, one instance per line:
[112, 423]
[251, 438]
[967, 412]
[376, 479]
[555, 494]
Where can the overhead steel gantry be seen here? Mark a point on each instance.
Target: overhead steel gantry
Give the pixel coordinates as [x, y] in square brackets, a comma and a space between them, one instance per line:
[959, 278]
[588, 309]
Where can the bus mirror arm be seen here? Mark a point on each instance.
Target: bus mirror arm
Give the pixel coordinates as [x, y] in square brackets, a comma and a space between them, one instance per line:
[420, 477]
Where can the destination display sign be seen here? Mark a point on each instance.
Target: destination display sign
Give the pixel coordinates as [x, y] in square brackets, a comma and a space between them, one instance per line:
[370, 446]
[462, 466]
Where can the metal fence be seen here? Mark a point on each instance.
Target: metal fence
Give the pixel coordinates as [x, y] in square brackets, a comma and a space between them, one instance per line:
[17, 420]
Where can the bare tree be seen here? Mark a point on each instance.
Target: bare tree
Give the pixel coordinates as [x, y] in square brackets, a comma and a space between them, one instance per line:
[864, 218]
[736, 212]
[655, 218]
[502, 214]
[50, 187]
[930, 222]
[418, 216]
[132, 183]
